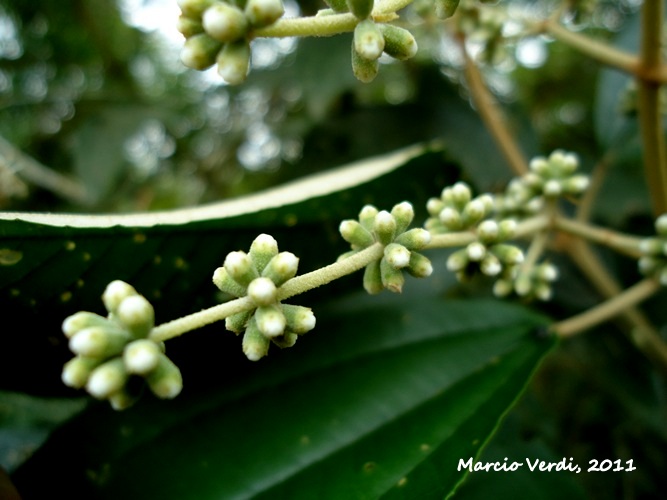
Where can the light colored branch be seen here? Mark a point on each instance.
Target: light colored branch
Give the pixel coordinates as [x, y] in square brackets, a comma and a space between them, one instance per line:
[623, 243]
[34, 172]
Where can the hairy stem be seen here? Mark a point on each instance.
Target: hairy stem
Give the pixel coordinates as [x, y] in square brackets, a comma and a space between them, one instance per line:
[608, 309]
[622, 243]
[650, 116]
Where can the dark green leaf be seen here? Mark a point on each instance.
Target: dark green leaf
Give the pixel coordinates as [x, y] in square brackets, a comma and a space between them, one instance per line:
[381, 400]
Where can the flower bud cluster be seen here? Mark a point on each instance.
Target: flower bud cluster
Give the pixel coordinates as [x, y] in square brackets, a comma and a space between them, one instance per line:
[111, 351]
[654, 252]
[259, 274]
[371, 40]
[457, 210]
[390, 229]
[484, 25]
[218, 32]
[533, 284]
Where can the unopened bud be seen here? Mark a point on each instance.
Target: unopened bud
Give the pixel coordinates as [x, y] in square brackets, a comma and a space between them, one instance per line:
[373, 278]
[365, 70]
[397, 255]
[420, 266]
[255, 344]
[384, 227]
[458, 261]
[355, 234]
[281, 268]
[552, 188]
[262, 291]
[490, 265]
[368, 40]
[115, 293]
[188, 26]
[141, 356]
[98, 342]
[234, 62]
[81, 320]
[398, 42]
[414, 239]
[165, 381]
[576, 184]
[237, 322]
[451, 218]
[460, 194]
[194, 8]
[137, 314]
[476, 251]
[502, 288]
[270, 320]
[445, 9]
[225, 283]
[473, 212]
[488, 231]
[288, 339]
[77, 371]
[106, 379]
[262, 250]
[262, 13]
[298, 319]
[360, 8]
[240, 268]
[367, 216]
[392, 278]
[200, 51]
[224, 22]
[661, 225]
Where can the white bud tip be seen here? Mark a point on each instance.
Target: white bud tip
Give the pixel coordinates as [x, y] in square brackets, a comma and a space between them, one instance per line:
[398, 257]
[262, 291]
[552, 188]
[266, 242]
[476, 251]
[460, 193]
[135, 310]
[384, 219]
[488, 229]
[88, 342]
[105, 380]
[115, 292]
[141, 356]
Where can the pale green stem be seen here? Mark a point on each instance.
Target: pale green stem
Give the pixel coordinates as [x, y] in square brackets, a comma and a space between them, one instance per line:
[650, 116]
[331, 24]
[623, 243]
[607, 310]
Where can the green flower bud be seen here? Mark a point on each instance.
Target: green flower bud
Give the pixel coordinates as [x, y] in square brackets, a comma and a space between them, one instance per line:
[77, 322]
[367, 216]
[99, 342]
[234, 62]
[542, 291]
[392, 278]
[262, 291]
[355, 234]
[458, 261]
[434, 206]
[115, 293]
[397, 256]
[224, 22]
[488, 231]
[199, 51]
[648, 265]
[368, 40]
[451, 218]
[262, 13]
[121, 400]
[403, 214]
[509, 255]
[540, 166]
[166, 381]
[262, 250]
[194, 8]
[337, 5]
[286, 340]
[188, 26]
[384, 227]
[414, 239]
[281, 268]
[270, 320]
[237, 322]
[460, 194]
[141, 356]
[502, 288]
[137, 314]
[490, 265]
[445, 9]
[419, 266]
[506, 229]
[473, 212]
[373, 278]
[365, 70]
[546, 272]
[255, 345]
[523, 285]
[77, 371]
[360, 8]
[299, 319]
[106, 379]
[576, 184]
[552, 188]
[398, 42]
[240, 268]
[225, 283]
[476, 251]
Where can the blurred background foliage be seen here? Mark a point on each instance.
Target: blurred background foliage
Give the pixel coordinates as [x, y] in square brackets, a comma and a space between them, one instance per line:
[97, 114]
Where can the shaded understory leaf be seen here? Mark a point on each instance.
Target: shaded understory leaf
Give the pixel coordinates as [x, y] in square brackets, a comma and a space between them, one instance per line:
[381, 401]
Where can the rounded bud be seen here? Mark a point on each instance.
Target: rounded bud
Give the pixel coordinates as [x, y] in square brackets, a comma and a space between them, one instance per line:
[540, 166]
[502, 288]
[240, 268]
[270, 320]
[255, 345]
[506, 229]
[576, 184]
[298, 319]
[509, 255]
[392, 278]
[373, 278]
[234, 62]
[194, 8]
[141, 356]
[476, 251]
[137, 314]
[473, 212]
[542, 291]
[458, 261]
[420, 266]
[384, 227]
[98, 342]
[414, 239]
[288, 339]
[661, 225]
[360, 8]
[491, 265]
[368, 40]
[77, 371]
[355, 234]
[165, 381]
[225, 22]
[188, 26]
[337, 5]
[547, 272]
[281, 268]
[552, 188]
[115, 293]
[648, 265]
[237, 322]
[262, 13]
[397, 255]
[81, 320]
[523, 285]
[403, 213]
[106, 379]
[445, 9]
[365, 70]
[367, 216]
[199, 51]
[488, 231]
[398, 42]
[434, 206]
[460, 194]
[262, 291]
[262, 250]
[225, 283]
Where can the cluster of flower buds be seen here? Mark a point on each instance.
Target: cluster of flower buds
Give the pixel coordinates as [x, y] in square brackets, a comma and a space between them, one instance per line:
[484, 25]
[371, 39]
[654, 252]
[456, 210]
[113, 350]
[531, 284]
[218, 32]
[390, 229]
[258, 275]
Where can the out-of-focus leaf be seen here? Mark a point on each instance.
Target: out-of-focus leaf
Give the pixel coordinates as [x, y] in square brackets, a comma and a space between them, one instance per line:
[381, 400]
